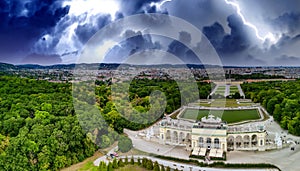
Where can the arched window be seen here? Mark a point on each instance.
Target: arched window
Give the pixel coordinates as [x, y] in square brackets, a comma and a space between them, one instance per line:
[168, 135]
[208, 142]
[217, 143]
[201, 142]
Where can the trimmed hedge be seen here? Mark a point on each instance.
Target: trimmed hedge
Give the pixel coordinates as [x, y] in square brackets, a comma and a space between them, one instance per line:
[218, 164]
[147, 163]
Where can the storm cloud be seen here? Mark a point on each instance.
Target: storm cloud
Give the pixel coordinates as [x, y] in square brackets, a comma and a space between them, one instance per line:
[24, 22]
[33, 30]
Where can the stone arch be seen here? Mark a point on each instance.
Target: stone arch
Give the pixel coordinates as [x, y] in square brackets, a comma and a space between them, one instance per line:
[254, 140]
[168, 135]
[230, 142]
[246, 141]
[208, 142]
[217, 143]
[201, 142]
[181, 137]
[175, 136]
[188, 137]
[238, 141]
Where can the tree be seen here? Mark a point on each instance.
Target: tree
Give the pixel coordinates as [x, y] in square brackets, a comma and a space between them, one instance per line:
[149, 165]
[110, 167]
[162, 168]
[277, 112]
[156, 166]
[121, 163]
[144, 162]
[236, 95]
[132, 160]
[271, 105]
[105, 141]
[124, 144]
[139, 161]
[168, 168]
[115, 163]
[102, 166]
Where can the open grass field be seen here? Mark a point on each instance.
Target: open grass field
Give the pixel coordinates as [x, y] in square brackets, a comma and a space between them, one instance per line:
[230, 116]
[227, 103]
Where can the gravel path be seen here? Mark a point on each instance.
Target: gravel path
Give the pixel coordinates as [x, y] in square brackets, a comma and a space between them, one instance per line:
[241, 91]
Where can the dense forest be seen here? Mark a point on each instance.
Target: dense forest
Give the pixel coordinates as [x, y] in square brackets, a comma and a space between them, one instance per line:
[38, 126]
[280, 99]
[41, 130]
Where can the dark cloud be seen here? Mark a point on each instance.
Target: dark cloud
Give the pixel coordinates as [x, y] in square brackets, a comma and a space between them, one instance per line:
[44, 27]
[285, 60]
[24, 22]
[86, 31]
[41, 59]
[288, 23]
[215, 34]
[136, 42]
[180, 50]
[137, 7]
[238, 40]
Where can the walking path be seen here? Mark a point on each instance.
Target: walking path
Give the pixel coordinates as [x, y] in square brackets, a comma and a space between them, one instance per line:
[241, 91]
[227, 90]
[214, 90]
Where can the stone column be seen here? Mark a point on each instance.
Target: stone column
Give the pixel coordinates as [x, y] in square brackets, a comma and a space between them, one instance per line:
[234, 143]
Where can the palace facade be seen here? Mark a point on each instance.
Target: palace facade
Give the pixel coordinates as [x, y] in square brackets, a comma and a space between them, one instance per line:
[211, 135]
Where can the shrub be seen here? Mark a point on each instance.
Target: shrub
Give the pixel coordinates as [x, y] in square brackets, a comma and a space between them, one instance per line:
[124, 144]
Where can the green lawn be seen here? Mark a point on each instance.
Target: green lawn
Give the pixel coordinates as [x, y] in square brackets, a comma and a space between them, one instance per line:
[227, 103]
[221, 88]
[220, 91]
[233, 89]
[231, 116]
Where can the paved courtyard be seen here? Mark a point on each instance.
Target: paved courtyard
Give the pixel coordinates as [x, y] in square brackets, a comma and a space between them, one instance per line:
[285, 158]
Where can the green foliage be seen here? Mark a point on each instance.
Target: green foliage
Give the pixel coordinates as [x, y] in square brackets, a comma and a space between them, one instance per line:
[139, 96]
[102, 166]
[281, 99]
[139, 161]
[38, 126]
[115, 163]
[124, 144]
[216, 164]
[110, 167]
[121, 163]
[40, 129]
[149, 165]
[132, 160]
[156, 166]
[144, 162]
[162, 168]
